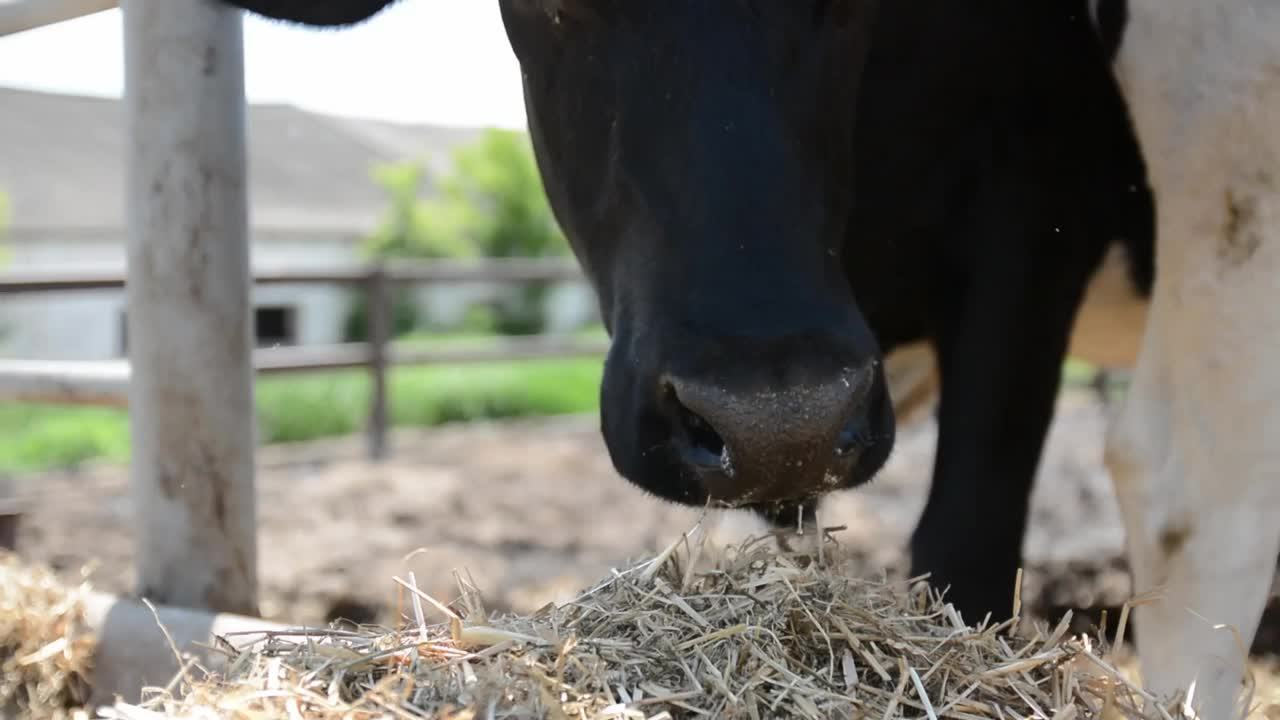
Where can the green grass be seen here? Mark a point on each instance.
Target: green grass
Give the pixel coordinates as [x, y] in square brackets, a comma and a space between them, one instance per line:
[307, 407]
[35, 437]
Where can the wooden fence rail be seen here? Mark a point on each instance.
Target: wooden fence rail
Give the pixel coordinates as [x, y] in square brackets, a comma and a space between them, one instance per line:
[106, 383]
[401, 272]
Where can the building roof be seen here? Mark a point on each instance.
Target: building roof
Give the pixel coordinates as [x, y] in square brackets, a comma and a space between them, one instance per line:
[62, 163]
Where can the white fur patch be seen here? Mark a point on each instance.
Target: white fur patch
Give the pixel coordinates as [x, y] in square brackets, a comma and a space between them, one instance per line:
[1195, 449]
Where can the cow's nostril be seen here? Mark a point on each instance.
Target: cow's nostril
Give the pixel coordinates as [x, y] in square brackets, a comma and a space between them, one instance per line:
[852, 439]
[703, 445]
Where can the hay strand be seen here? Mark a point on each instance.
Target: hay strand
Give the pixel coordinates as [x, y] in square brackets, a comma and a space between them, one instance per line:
[46, 647]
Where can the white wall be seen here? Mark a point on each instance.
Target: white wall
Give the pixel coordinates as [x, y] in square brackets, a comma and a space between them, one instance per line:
[68, 326]
[84, 325]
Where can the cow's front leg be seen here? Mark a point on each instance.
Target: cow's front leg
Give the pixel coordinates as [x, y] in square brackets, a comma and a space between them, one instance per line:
[1195, 476]
[1195, 449]
[1001, 342]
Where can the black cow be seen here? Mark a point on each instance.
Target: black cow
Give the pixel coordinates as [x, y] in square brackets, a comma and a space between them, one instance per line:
[770, 195]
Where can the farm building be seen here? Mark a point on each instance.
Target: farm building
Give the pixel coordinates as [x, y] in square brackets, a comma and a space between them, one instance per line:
[312, 200]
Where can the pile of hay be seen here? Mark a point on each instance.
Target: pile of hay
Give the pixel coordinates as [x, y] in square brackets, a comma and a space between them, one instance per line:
[757, 633]
[46, 647]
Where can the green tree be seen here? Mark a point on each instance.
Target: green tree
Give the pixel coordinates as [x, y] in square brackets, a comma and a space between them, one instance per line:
[492, 204]
[413, 228]
[497, 194]
[497, 197]
[409, 229]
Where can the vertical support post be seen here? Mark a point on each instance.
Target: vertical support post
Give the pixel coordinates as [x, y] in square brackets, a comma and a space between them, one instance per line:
[379, 322]
[191, 405]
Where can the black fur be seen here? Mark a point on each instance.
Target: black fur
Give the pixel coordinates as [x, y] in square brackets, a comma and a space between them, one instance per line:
[320, 13]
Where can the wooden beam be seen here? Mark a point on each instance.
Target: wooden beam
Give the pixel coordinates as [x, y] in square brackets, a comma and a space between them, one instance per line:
[190, 326]
[21, 15]
[506, 270]
[64, 382]
[106, 383]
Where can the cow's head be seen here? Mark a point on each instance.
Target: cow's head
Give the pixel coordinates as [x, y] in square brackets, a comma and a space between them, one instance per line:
[698, 154]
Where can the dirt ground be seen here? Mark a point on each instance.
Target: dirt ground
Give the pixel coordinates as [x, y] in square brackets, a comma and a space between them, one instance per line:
[534, 512]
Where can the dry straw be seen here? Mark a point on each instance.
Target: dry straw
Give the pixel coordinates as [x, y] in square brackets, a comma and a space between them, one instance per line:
[46, 648]
[753, 633]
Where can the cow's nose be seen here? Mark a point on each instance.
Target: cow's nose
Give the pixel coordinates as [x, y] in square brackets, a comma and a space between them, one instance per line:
[773, 443]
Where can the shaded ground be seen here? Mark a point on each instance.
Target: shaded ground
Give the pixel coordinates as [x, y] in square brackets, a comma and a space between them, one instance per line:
[534, 512]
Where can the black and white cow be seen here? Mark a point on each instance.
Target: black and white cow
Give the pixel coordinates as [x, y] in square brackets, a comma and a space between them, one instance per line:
[771, 196]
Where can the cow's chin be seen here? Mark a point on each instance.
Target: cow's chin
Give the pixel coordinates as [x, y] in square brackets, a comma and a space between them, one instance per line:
[797, 515]
[681, 486]
[798, 512]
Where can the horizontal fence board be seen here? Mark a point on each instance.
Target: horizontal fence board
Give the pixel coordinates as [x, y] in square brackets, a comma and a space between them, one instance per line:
[65, 382]
[433, 272]
[302, 358]
[511, 348]
[21, 283]
[107, 382]
[507, 270]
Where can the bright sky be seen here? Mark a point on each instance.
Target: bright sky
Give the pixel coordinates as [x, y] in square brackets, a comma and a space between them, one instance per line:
[443, 62]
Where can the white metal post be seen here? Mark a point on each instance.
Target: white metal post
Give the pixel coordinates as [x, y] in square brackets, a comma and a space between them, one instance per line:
[190, 327]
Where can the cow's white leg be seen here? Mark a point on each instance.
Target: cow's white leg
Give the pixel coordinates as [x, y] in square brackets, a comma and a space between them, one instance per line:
[1195, 449]
[1195, 454]
[1201, 532]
